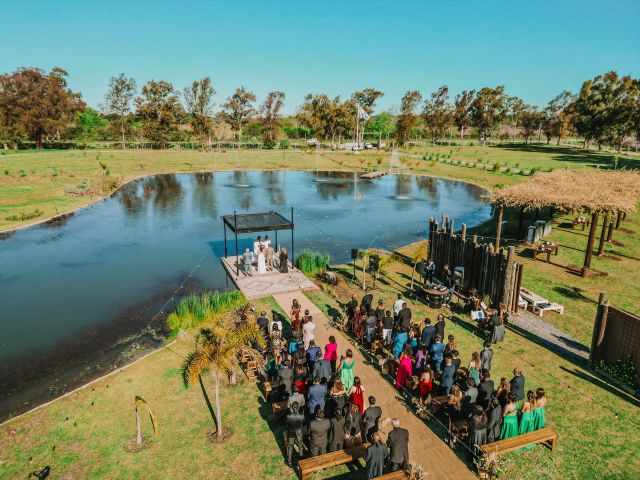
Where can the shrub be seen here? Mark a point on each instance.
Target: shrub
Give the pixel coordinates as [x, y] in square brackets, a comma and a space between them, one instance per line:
[283, 145]
[22, 216]
[6, 172]
[269, 145]
[312, 263]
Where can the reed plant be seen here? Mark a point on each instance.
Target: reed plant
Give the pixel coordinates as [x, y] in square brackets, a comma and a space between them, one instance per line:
[312, 263]
[194, 309]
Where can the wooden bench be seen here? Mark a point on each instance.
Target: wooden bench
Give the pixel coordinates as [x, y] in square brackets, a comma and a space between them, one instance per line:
[540, 308]
[545, 436]
[397, 475]
[279, 409]
[311, 465]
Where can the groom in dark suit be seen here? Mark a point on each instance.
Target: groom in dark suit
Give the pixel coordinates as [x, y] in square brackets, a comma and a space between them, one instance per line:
[398, 443]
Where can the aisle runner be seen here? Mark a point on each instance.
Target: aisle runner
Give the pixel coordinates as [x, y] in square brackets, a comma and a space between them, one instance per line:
[425, 447]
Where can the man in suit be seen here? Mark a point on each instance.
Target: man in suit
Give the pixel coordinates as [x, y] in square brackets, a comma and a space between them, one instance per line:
[322, 368]
[367, 300]
[315, 396]
[440, 324]
[319, 434]
[247, 258]
[295, 397]
[448, 374]
[295, 421]
[494, 419]
[486, 356]
[485, 390]
[428, 333]
[517, 384]
[404, 317]
[455, 354]
[398, 443]
[470, 397]
[370, 419]
[351, 307]
[285, 376]
[375, 457]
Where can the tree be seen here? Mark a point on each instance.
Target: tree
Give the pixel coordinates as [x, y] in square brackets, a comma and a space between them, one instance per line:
[438, 113]
[160, 110]
[366, 99]
[327, 118]
[237, 109]
[199, 100]
[89, 124]
[35, 104]
[407, 118]
[515, 107]
[270, 111]
[462, 110]
[383, 123]
[216, 347]
[530, 122]
[487, 110]
[118, 100]
[558, 118]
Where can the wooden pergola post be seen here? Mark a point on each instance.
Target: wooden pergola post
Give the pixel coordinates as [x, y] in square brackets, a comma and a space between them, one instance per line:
[499, 227]
[603, 233]
[610, 227]
[520, 222]
[590, 242]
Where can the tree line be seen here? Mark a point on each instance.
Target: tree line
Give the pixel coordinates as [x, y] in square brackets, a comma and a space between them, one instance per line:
[38, 106]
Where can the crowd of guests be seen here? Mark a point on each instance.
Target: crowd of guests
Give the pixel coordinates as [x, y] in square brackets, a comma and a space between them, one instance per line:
[328, 407]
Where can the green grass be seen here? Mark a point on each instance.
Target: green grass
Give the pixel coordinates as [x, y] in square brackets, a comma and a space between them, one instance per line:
[311, 263]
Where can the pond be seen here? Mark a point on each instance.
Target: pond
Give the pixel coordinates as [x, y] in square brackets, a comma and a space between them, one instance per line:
[83, 295]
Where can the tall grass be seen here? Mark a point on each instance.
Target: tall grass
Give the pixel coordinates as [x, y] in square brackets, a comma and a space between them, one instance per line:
[312, 263]
[195, 309]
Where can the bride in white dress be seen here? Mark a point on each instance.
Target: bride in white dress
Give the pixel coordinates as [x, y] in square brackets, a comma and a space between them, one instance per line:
[262, 266]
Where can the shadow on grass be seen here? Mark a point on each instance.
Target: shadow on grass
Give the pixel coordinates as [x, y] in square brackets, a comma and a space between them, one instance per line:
[572, 292]
[208, 402]
[600, 383]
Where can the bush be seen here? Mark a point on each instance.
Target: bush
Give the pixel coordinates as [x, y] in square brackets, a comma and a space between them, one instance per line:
[312, 263]
[283, 145]
[22, 216]
[269, 145]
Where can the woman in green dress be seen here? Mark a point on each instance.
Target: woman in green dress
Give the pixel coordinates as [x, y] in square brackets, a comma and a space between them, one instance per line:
[526, 419]
[346, 370]
[538, 411]
[510, 418]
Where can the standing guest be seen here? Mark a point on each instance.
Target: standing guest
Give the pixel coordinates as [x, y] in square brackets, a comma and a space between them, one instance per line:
[275, 321]
[284, 261]
[437, 352]
[494, 420]
[338, 396]
[387, 328]
[256, 246]
[336, 434]
[366, 302]
[456, 359]
[440, 325]
[263, 323]
[312, 355]
[352, 427]
[503, 391]
[356, 394]
[315, 396]
[421, 358]
[454, 404]
[276, 343]
[397, 306]
[538, 411]
[262, 265]
[430, 270]
[308, 330]
[331, 352]
[398, 443]
[451, 345]
[405, 367]
[359, 321]
[266, 242]
[295, 397]
[285, 376]
[510, 418]
[346, 370]
[517, 384]
[426, 385]
[300, 378]
[380, 312]
[295, 318]
[448, 378]
[370, 327]
[375, 457]
[486, 356]
[526, 419]
[319, 434]
[295, 421]
[474, 368]
[497, 329]
[485, 389]
[269, 254]
[404, 317]
[247, 259]
[370, 419]
[428, 333]
[414, 339]
[399, 341]
[448, 276]
[322, 367]
[352, 310]
[470, 397]
[477, 429]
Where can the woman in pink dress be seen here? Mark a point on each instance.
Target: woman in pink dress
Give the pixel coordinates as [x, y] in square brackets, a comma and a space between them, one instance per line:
[331, 352]
[405, 366]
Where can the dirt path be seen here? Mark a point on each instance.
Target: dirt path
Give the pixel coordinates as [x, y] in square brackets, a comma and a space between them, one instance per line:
[425, 447]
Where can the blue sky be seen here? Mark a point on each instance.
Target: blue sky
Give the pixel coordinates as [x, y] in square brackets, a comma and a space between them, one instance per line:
[535, 48]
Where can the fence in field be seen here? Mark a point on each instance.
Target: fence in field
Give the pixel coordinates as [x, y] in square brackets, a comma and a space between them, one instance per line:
[490, 273]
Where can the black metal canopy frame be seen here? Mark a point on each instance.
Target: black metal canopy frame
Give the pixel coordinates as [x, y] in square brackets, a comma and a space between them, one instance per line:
[257, 222]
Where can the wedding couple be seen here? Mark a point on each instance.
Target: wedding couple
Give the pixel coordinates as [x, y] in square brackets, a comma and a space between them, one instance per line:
[264, 255]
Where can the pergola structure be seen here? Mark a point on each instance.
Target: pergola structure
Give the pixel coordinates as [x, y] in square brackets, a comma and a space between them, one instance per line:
[586, 190]
[254, 223]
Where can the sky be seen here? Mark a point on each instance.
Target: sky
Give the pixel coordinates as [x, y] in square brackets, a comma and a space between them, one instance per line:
[535, 48]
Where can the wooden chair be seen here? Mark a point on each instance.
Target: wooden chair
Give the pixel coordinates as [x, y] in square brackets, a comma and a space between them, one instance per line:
[311, 465]
[545, 436]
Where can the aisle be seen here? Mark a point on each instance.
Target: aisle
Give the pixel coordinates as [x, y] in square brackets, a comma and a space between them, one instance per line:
[425, 447]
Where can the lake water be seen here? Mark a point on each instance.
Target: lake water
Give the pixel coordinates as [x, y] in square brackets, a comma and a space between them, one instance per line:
[82, 295]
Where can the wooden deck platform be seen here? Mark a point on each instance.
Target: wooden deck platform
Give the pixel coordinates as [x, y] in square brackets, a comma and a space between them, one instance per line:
[372, 175]
[266, 284]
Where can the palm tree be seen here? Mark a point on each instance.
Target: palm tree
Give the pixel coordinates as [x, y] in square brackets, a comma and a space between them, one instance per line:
[216, 349]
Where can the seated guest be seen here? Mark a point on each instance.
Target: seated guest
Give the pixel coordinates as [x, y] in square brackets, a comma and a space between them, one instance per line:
[352, 427]
[485, 389]
[319, 434]
[517, 384]
[398, 443]
[470, 397]
[428, 333]
[285, 376]
[448, 375]
[315, 396]
[486, 356]
[375, 457]
[295, 421]
[336, 433]
[437, 353]
[322, 368]
[494, 419]
[477, 429]
[370, 419]
[295, 397]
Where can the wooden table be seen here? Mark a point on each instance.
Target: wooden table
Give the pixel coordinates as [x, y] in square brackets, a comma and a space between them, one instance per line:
[546, 248]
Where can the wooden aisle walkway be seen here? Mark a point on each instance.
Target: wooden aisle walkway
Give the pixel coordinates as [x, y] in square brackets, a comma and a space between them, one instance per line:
[425, 447]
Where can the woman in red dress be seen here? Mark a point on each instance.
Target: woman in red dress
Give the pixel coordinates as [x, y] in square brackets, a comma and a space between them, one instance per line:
[426, 385]
[356, 394]
[358, 330]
